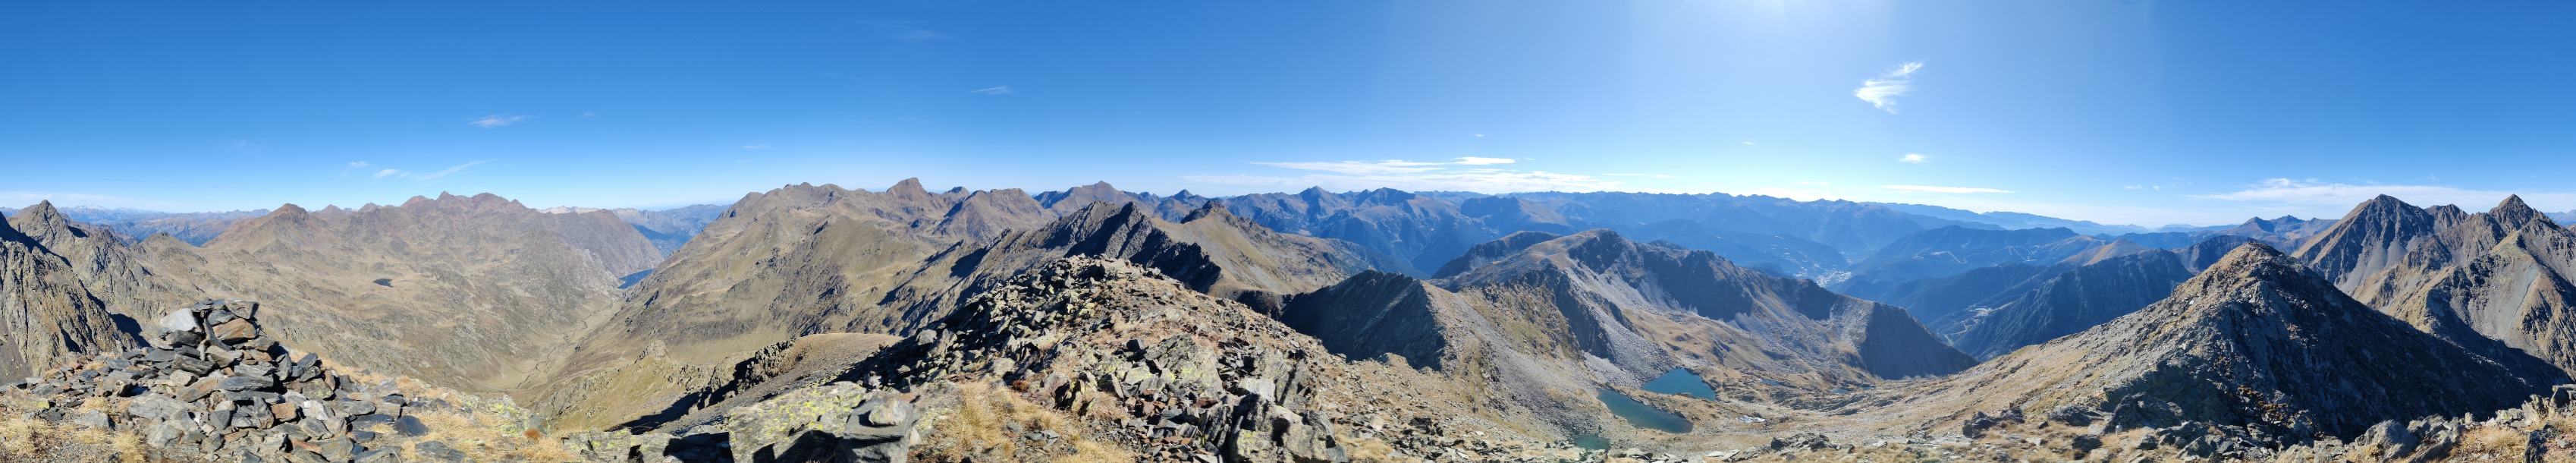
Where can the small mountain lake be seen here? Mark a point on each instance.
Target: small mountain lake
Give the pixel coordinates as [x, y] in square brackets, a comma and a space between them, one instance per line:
[1641, 415]
[1681, 381]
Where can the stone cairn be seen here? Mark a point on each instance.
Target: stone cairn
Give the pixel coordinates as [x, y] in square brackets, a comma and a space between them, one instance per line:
[211, 385]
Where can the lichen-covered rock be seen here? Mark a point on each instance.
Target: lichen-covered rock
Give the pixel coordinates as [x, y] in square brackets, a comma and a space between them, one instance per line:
[222, 395]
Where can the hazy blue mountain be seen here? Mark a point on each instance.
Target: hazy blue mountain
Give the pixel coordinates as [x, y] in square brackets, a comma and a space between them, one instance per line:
[136, 224]
[1950, 251]
[2016, 220]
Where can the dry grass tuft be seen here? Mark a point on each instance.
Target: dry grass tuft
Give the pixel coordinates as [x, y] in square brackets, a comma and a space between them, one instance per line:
[32, 440]
[988, 424]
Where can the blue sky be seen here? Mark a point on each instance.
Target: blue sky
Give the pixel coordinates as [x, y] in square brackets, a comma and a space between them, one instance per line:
[2125, 112]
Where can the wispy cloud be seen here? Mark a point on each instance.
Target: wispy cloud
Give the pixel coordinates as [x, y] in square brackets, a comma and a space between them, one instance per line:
[1941, 189]
[450, 170]
[1460, 174]
[1911, 158]
[756, 146]
[1638, 175]
[420, 177]
[1001, 90]
[497, 120]
[1882, 91]
[2318, 193]
[590, 114]
[356, 164]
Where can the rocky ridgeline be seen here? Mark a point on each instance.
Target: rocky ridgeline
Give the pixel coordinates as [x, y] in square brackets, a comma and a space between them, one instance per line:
[1135, 361]
[211, 386]
[1187, 377]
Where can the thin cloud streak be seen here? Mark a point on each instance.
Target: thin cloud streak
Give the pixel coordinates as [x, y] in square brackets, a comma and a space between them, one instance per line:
[2312, 192]
[450, 170]
[497, 121]
[1882, 91]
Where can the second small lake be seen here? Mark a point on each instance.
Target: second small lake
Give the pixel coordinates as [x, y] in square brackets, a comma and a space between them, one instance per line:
[1681, 381]
[1641, 415]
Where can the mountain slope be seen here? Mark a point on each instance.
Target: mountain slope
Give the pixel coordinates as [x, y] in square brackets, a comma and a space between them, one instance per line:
[45, 314]
[1954, 250]
[809, 260]
[2070, 301]
[476, 293]
[111, 268]
[2259, 342]
[1647, 307]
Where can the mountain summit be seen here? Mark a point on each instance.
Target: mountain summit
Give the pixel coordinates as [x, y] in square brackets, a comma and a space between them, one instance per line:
[2257, 342]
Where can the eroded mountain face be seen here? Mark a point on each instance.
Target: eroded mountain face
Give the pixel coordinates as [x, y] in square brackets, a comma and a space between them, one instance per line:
[1950, 251]
[2491, 281]
[477, 293]
[2259, 344]
[46, 314]
[1541, 319]
[807, 260]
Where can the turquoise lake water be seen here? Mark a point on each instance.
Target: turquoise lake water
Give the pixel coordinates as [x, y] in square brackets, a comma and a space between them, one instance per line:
[1681, 382]
[1641, 415]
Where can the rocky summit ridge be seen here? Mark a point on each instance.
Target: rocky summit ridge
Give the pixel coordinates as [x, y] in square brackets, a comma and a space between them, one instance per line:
[2258, 351]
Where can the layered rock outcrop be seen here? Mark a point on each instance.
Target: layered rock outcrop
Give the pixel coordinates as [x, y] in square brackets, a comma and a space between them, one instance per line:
[213, 385]
[2258, 349]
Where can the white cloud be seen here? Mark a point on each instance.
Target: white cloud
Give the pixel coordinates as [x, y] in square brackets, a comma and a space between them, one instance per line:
[1748, 143]
[1882, 91]
[1477, 161]
[590, 114]
[444, 173]
[1479, 135]
[358, 164]
[1941, 189]
[497, 120]
[2316, 193]
[1001, 90]
[1638, 175]
[756, 146]
[1911, 158]
[391, 173]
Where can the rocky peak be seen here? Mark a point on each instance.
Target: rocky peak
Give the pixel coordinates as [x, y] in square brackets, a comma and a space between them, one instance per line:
[40, 218]
[1211, 209]
[2512, 213]
[910, 187]
[1385, 197]
[1491, 251]
[2258, 344]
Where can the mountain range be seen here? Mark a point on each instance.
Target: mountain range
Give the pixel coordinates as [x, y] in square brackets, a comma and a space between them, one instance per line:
[1378, 324]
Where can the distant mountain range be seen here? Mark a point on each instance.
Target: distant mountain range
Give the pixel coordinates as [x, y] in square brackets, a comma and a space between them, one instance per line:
[1301, 326]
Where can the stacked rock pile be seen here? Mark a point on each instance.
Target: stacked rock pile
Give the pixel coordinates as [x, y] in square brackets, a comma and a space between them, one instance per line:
[211, 384]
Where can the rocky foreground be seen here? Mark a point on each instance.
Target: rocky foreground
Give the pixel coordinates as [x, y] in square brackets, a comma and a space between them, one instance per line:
[1096, 360]
[212, 386]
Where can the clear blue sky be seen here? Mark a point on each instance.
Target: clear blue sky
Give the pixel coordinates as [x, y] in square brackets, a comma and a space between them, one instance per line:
[2126, 112]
